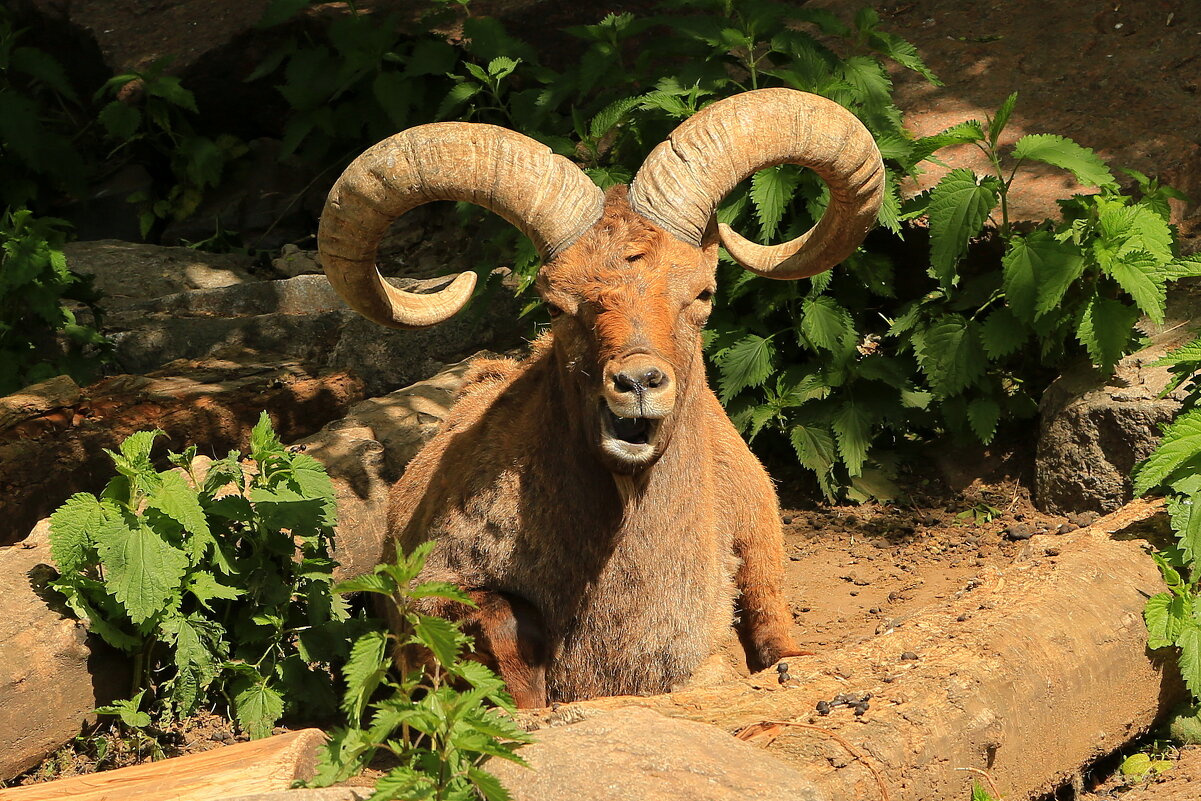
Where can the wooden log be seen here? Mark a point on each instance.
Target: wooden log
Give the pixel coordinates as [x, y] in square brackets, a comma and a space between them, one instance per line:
[258, 766]
[1030, 676]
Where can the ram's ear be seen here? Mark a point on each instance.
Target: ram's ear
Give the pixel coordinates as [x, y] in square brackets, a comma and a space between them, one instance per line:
[711, 241]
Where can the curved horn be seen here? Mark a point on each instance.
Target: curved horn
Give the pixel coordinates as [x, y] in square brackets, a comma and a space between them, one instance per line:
[683, 179]
[544, 195]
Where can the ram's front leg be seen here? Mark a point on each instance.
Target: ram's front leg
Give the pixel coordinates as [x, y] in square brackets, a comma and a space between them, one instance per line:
[764, 620]
[509, 636]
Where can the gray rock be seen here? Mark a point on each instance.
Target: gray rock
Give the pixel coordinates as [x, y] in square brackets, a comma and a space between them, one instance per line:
[292, 261]
[47, 663]
[366, 452]
[126, 271]
[637, 753]
[303, 319]
[38, 399]
[1092, 432]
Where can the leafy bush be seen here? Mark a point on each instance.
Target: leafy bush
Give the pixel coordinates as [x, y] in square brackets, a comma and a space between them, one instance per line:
[151, 121]
[1174, 468]
[216, 580]
[39, 112]
[432, 719]
[876, 357]
[39, 336]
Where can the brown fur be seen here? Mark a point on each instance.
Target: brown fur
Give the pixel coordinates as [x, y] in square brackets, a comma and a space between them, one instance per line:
[634, 573]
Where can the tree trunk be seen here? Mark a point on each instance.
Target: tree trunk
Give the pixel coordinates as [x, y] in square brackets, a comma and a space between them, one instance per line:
[259, 766]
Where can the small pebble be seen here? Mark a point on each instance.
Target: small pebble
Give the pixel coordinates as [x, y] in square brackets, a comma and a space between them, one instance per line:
[909, 656]
[1018, 532]
[823, 707]
[786, 520]
[784, 677]
[782, 667]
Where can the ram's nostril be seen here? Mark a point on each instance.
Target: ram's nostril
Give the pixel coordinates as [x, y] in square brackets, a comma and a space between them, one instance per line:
[639, 380]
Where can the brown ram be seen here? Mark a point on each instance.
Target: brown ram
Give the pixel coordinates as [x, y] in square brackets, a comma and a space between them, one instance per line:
[594, 498]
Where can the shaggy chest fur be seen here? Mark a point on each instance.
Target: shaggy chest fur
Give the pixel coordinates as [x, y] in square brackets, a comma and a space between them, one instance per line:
[634, 587]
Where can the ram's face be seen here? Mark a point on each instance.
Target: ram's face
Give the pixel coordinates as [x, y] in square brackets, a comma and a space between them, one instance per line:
[628, 302]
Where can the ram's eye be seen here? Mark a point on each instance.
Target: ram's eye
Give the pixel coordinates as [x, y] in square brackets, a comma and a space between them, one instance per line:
[705, 295]
[553, 310]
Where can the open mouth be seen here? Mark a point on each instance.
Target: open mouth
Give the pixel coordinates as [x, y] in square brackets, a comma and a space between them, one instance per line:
[631, 439]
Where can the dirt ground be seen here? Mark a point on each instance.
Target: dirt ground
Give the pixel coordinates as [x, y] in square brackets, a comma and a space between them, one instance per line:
[1120, 77]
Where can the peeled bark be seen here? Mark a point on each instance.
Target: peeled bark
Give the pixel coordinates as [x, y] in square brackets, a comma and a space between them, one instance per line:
[259, 766]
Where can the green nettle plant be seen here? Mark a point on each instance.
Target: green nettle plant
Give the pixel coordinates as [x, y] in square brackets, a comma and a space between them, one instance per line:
[876, 357]
[216, 580]
[432, 716]
[39, 113]
[1173, 618]
[40, 337]
[151, 119]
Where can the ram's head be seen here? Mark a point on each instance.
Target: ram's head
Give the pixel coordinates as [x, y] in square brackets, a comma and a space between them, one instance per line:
[628, 275]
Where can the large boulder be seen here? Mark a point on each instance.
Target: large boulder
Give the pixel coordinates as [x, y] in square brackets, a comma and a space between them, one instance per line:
[52, 675]
[1094, 430]
[303, 319]
[126, 271]
[366, 452]
[635, 753]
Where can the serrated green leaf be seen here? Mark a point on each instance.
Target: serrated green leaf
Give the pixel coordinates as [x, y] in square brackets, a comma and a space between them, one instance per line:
[852, 428]
[369, 582]
[120, 121]
[1180, 445]
[441, 636]
[1189, 641]
[128, 710]
[983, 415]
[1165, 617]
[502, 67]
[1104, 330]
[998, 123]
[771, 191]
[959, 134]
[174, 498]
[827, 324]
[143, 571]
[612, 114]
[263, 441]
[1137, 273]
[1037, 271]
[1058, 151]
[258, 707]
[440, 589]
[488, 785]
[364, 670]
[1002, 333]
[747, 363]
[950, 355]
[199, 644]
[205, 587]
[902, 52]
[959, 206]
[71, 530]
[814, 447]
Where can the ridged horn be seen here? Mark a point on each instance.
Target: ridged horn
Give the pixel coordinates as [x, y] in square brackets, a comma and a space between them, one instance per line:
[544, 195]
[684, 178]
